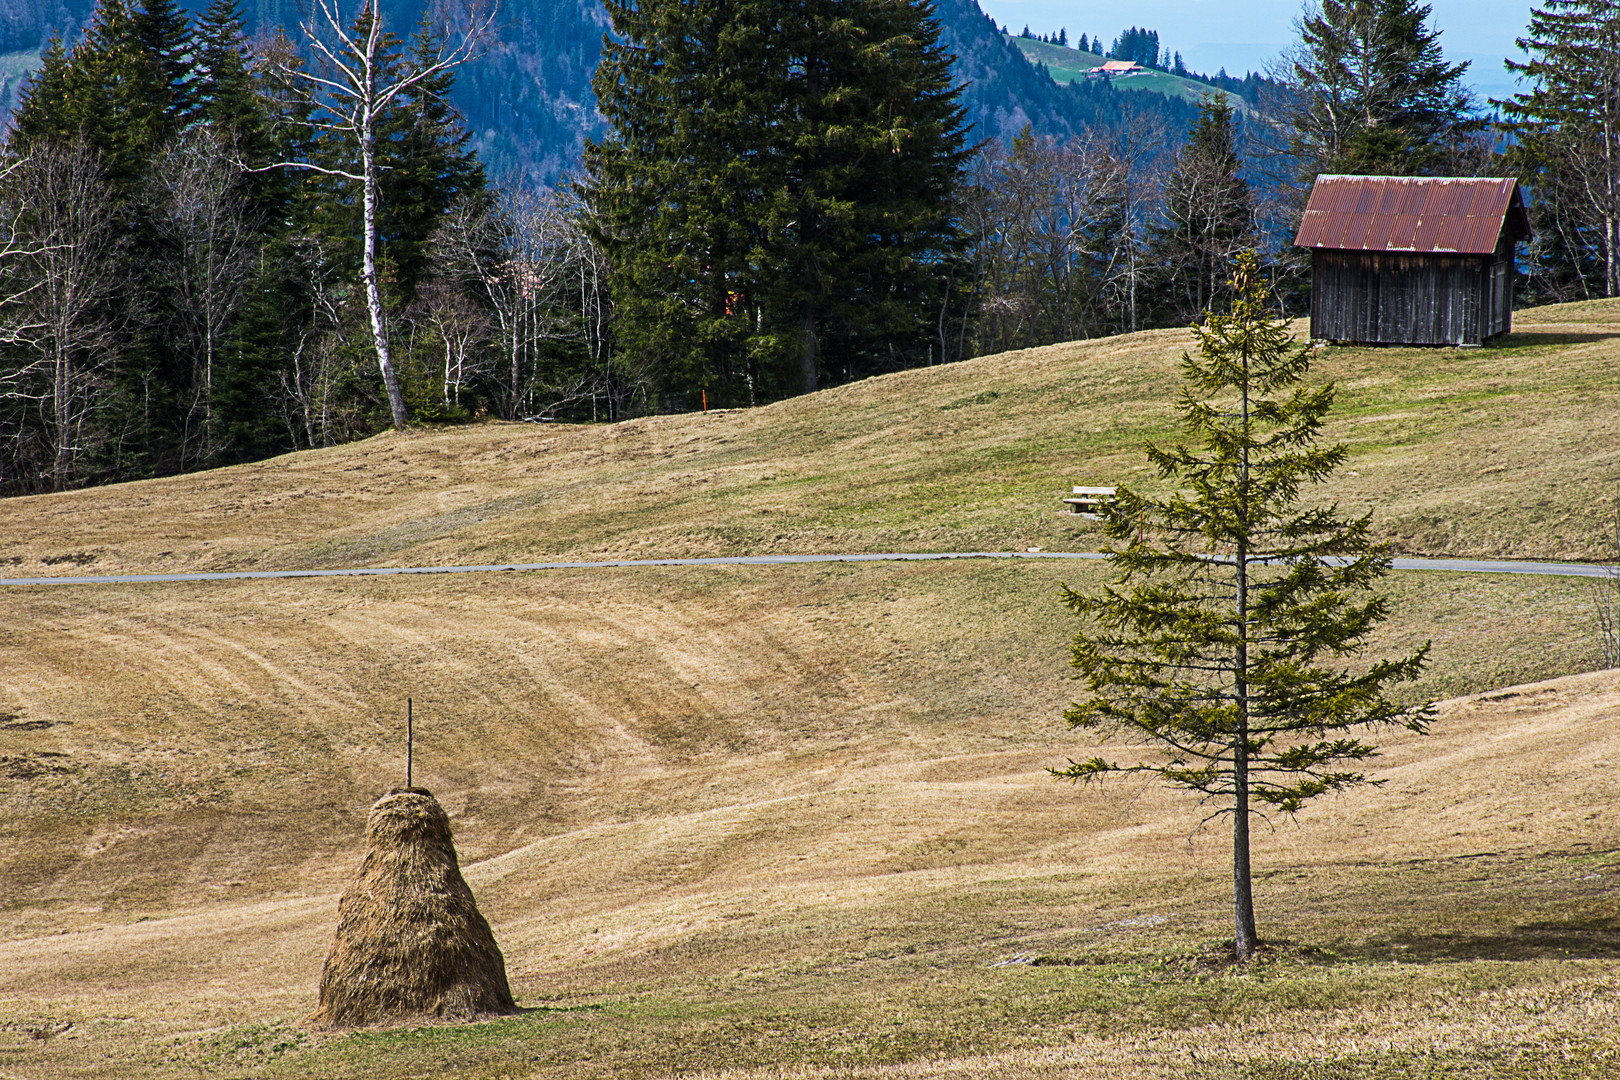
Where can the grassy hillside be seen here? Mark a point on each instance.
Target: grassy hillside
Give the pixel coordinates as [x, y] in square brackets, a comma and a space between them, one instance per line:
[1068, 65]
[776, 821]
[1512, 450]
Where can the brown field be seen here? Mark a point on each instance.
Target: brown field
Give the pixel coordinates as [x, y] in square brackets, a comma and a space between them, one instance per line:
[784, 822]
[1507, 451]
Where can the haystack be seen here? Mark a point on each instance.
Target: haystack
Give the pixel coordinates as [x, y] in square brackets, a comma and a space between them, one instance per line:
[410, 944]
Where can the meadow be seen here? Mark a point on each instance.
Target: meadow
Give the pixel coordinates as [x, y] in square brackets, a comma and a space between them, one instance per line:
[794, 821]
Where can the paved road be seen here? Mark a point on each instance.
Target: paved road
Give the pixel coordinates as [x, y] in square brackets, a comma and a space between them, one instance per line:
[1477, 566]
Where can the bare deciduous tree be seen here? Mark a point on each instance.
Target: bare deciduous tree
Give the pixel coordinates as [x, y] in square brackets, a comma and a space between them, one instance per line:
[197, 205]
[462, 328]
[61, 260]
[352, 88]
[1059, 231]
[314, 406]
[543, 280]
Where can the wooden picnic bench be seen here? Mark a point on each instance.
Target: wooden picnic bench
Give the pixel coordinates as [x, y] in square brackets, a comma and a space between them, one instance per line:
[1088, 502]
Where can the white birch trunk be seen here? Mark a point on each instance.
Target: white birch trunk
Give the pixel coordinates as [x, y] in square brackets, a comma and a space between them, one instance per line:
[368, 270]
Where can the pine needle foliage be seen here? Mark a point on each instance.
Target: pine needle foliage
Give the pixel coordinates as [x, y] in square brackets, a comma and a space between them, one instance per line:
[1566, 128]
[1230, 636]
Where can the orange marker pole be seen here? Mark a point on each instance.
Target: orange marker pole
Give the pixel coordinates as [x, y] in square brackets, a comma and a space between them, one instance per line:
[705, 399]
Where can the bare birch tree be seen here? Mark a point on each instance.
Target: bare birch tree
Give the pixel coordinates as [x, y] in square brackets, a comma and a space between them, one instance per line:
[463, 330]
[351, 90]
[314, 406]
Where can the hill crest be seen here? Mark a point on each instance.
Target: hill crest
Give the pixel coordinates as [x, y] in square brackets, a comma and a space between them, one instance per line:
[1506, 451]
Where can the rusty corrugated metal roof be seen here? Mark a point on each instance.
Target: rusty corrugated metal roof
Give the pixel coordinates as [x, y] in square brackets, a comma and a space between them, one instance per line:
[1465, 215]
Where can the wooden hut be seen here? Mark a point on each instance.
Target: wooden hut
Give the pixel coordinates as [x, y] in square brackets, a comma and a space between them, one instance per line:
[1412, 260]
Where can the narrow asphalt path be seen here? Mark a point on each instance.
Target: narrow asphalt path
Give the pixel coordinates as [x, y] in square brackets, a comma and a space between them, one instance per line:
[1472, 566]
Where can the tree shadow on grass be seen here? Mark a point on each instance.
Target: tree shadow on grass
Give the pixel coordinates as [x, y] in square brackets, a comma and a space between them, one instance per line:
[1575, 939]
[1536, 339]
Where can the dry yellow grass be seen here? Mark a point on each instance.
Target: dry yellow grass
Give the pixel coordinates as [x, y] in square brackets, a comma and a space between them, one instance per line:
[791, 821]
[1512, 450]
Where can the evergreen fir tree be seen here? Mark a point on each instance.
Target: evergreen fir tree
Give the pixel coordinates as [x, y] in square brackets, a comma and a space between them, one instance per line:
[124, 88]
[224, 89]
[45, 105]
[274, 323]
[1567, 125]
[1226, 636]
[874, 152]
[104, 81]
[689, 93]
[165, 37]
[228, 97]
[430, 164]
[775, 193]
[1372, 93]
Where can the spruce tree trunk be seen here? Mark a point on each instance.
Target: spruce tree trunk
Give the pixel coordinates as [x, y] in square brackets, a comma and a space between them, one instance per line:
[809, 360]
[1245, 938]
[379, 320]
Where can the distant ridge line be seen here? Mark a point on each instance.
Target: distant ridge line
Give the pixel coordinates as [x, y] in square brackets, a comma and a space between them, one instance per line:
[1472, 566]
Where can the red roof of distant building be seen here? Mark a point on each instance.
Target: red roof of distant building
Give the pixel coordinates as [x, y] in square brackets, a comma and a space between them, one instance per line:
[1464, 215]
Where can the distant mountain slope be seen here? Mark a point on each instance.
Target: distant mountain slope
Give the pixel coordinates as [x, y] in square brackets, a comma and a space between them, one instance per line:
[529, 101]
[1005, 91]
[1067, 65]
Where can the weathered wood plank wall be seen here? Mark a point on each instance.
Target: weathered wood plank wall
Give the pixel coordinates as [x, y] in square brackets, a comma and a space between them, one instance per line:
[1501, 290]
[1400, 298]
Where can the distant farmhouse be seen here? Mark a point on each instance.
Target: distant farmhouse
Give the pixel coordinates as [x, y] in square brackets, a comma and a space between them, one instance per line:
[1402, 260]
[1109, 68]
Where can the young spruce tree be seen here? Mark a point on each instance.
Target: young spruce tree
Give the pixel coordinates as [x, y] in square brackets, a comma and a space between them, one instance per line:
[1228, 636]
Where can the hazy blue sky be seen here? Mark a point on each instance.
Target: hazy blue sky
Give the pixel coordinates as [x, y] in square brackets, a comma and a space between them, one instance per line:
[1243, 34]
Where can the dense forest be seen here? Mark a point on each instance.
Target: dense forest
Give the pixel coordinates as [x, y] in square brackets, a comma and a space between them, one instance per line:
[527, 100]
[220, 245]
